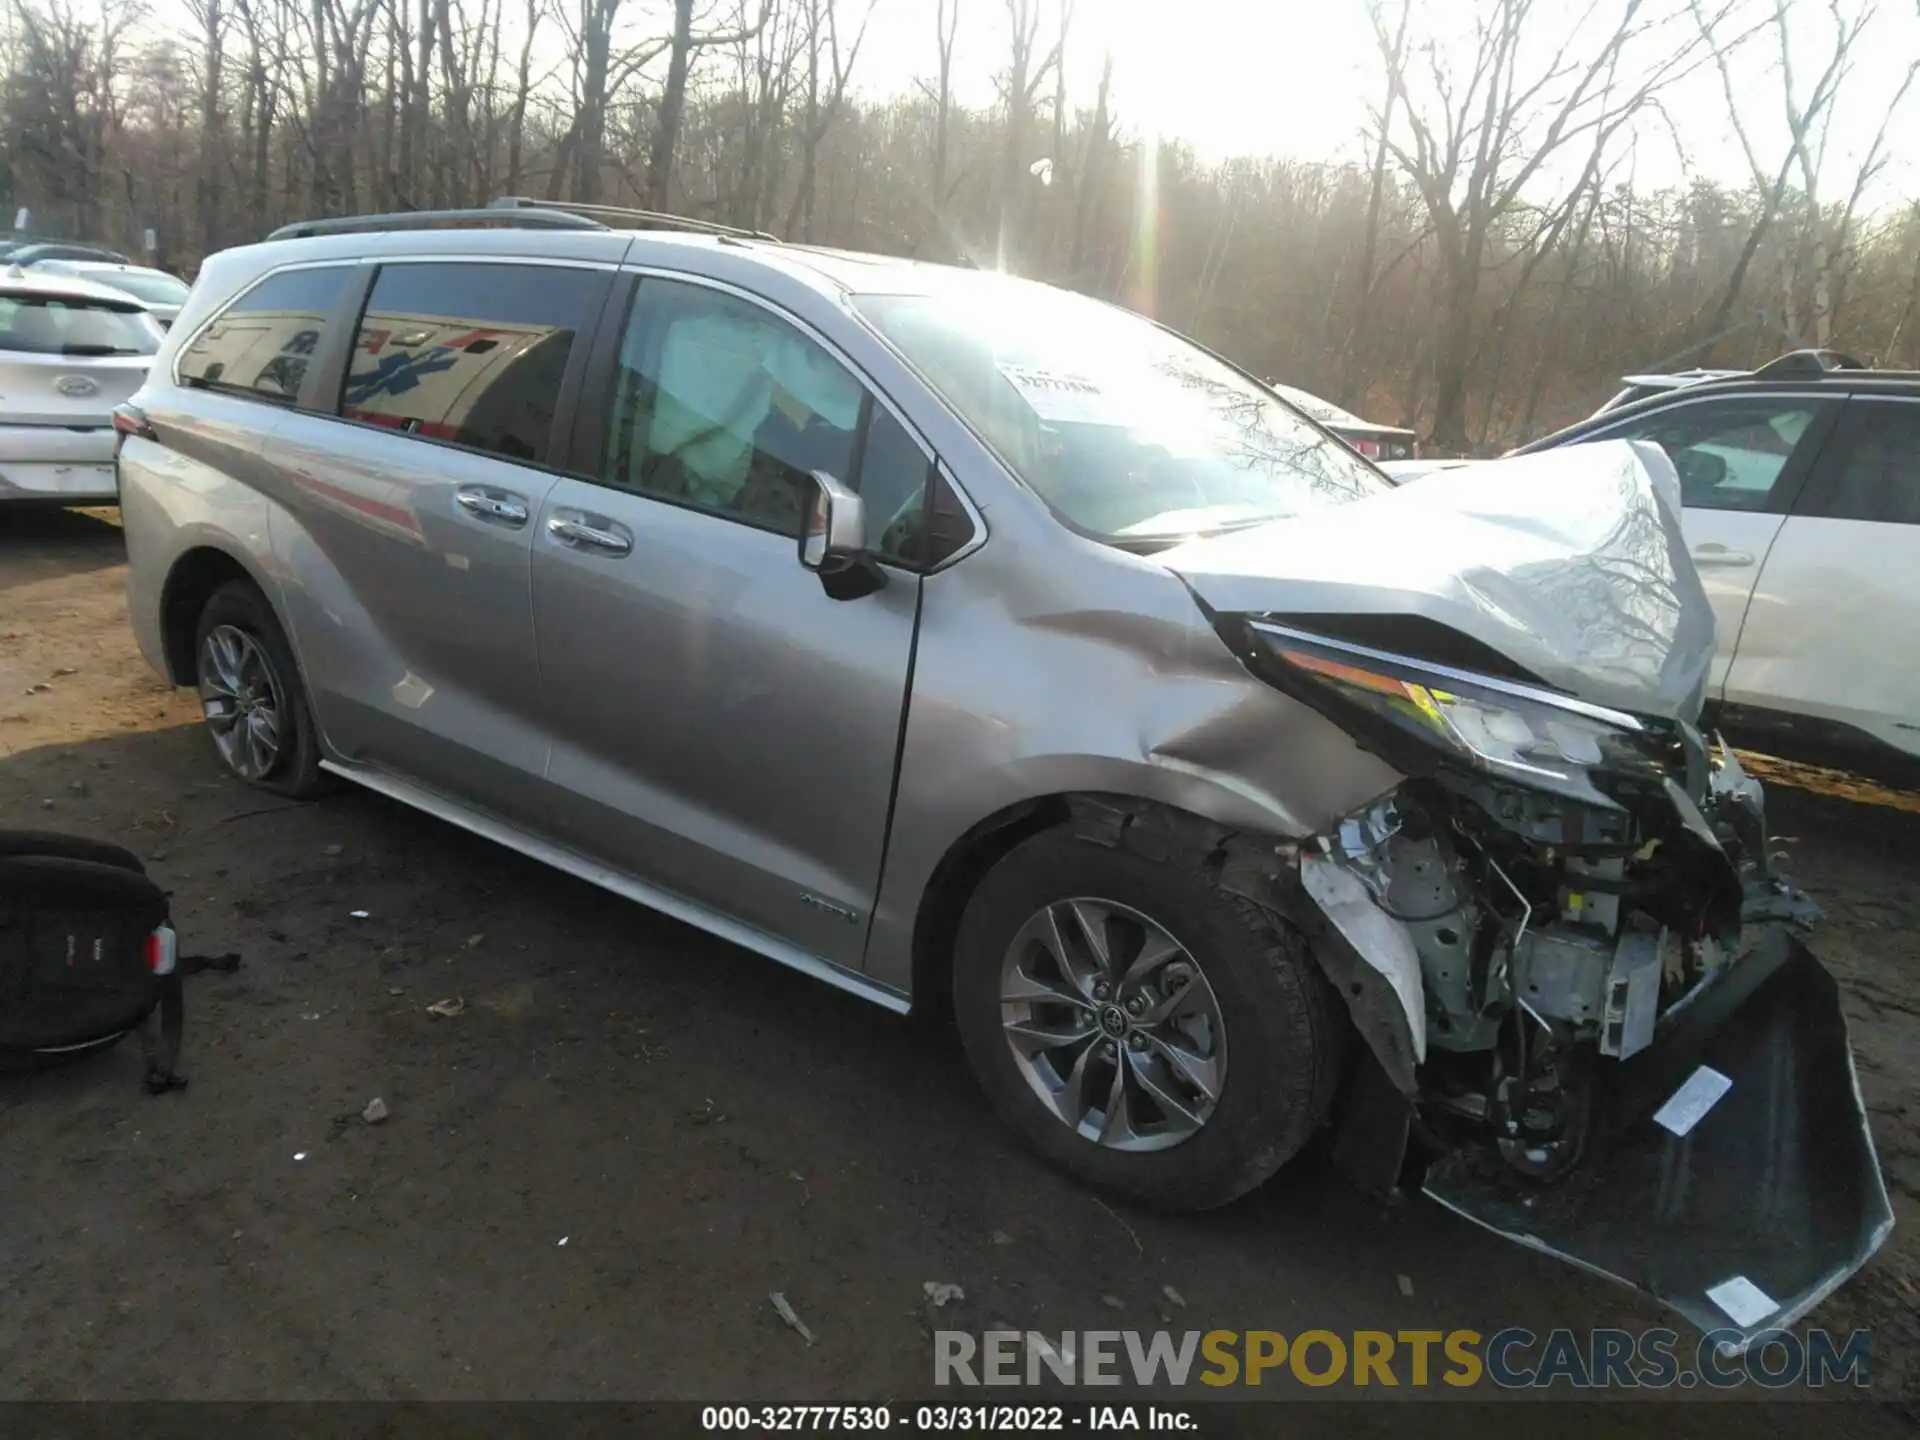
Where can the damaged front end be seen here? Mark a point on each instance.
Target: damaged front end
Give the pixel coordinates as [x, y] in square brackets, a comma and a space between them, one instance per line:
[1586, 1005]
[1586, 1001]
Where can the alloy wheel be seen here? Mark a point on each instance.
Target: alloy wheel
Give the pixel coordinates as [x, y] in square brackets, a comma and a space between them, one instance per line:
[242, 700]
[1113, 1025]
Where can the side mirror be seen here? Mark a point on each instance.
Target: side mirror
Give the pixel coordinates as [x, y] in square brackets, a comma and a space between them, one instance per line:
[833, 540]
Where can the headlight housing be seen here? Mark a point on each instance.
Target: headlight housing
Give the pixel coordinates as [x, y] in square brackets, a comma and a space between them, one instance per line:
[1520, 733]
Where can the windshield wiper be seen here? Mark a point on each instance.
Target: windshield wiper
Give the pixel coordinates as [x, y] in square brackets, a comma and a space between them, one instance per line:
[96, 350]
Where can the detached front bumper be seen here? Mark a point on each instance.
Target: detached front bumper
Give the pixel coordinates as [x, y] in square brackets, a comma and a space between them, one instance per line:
[1731, 1174]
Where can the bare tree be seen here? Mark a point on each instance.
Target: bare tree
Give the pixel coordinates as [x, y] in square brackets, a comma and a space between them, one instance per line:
[1027, 70]
[766, 55]
[1728, 32]
[1474, 144]
[681, 47]
[1912, 305]
[1489, 264]
[823, 96]
[260, 98]
[1395, 55]
[1093, 164]
[522, 90]
[211, 18]
[947, 29]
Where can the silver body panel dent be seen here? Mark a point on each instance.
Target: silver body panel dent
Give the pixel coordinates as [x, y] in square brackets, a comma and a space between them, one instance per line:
[1052, 665]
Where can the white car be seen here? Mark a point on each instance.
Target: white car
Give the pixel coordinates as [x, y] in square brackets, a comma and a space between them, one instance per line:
[1379, 443]
[70, 351]
[1801, 492]
[161, 293]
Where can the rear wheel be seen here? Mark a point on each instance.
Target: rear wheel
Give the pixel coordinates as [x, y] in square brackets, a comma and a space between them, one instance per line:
[1147, 1031]
[251, 694]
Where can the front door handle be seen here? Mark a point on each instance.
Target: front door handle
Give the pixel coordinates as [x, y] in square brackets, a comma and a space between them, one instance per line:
[1720, 555]
[490, 504]
[589, 532]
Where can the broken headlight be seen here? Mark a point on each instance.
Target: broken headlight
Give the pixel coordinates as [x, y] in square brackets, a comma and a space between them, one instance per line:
[1520, 733]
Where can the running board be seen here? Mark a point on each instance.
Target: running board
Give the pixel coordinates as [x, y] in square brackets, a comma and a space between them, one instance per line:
[594, 873]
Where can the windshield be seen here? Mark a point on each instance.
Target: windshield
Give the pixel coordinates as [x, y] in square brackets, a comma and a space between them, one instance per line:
[73, 325]
[1127, 431]
[156, 289]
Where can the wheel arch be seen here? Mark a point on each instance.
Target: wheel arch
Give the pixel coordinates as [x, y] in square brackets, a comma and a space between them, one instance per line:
[191, 581]
[1150, 827]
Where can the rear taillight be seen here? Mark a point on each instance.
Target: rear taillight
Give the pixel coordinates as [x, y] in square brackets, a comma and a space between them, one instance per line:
[131, 420]
[162, 950]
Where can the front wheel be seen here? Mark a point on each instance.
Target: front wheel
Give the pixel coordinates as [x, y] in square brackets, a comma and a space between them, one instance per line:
[1145, 1030]
[252, 696]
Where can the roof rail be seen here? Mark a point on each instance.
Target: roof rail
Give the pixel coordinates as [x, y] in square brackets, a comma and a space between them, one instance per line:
[1809, 362]
[621, 217]
[530, 218]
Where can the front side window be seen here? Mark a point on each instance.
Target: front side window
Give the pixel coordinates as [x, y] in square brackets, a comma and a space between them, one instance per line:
[469, 354]
[41, 324]
[723, 406]
[1729, 453]
[1128, 432]
[261, 344]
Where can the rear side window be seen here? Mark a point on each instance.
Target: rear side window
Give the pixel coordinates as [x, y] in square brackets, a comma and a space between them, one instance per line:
[470, 354]
[261, 344]
[33, 324]
[1873, 472]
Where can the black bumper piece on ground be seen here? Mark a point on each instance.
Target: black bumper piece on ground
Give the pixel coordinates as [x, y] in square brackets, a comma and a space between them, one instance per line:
[1764, 1206]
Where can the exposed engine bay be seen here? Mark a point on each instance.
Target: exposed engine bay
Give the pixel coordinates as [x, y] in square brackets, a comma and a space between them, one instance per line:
[1589, 1022]
[1549, 935]
[1563, 942]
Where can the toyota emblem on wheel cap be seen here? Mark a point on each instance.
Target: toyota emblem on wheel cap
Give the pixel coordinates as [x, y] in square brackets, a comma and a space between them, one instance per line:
[75, 385]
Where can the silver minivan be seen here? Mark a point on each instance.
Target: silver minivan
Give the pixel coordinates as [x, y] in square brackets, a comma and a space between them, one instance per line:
[970, 644]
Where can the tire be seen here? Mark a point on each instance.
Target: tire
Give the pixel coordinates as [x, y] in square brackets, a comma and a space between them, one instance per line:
[294, 767]
[29, 1062]
[1281, 1028]
[53, 844]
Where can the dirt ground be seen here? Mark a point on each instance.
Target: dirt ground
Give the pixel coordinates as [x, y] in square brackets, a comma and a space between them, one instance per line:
[593, 1177]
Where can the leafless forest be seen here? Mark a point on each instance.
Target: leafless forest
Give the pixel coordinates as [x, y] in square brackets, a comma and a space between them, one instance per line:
[1484, 272]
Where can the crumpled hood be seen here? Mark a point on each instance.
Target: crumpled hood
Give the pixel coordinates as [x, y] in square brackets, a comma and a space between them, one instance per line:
[1571, 563]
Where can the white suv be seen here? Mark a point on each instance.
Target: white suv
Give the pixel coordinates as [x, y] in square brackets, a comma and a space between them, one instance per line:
[70, 350]
[1801, 488]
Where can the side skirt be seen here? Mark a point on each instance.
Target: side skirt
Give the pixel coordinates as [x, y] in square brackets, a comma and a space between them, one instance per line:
[594, 873]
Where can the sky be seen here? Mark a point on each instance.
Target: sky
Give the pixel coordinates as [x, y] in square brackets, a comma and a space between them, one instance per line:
[1296, 77]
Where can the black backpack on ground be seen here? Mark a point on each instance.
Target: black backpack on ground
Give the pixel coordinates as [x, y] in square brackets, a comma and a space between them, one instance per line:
[87, 955]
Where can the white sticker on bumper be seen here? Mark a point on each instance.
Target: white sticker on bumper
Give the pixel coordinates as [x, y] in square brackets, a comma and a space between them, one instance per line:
[1686, 1106]
[1744, 1302]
